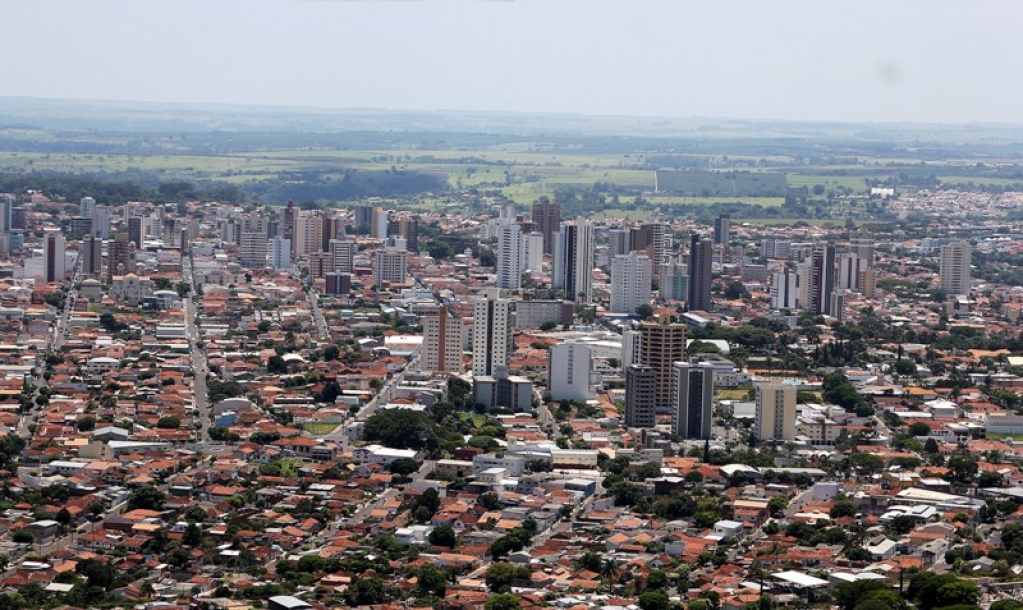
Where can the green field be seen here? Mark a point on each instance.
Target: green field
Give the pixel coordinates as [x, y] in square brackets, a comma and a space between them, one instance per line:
[712, 183]
[668, 200]
[319, 428]
[856, 183]
[978, 180]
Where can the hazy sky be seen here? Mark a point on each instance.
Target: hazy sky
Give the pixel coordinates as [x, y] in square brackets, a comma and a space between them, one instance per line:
[917, 60]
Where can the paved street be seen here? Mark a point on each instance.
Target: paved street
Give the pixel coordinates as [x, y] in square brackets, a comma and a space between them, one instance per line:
[199, 366]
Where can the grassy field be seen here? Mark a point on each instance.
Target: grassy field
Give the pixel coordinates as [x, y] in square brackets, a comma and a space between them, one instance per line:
[319, 428]
[669, 200]
[521, 172]
[476, 419]
[856, 183]
[731, 394]
[977, 180]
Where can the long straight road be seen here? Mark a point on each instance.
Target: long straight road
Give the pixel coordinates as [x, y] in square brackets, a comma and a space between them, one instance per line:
[322, 332]
[199, 366]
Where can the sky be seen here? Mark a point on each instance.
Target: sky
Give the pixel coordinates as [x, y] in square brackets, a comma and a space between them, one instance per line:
[836, 60]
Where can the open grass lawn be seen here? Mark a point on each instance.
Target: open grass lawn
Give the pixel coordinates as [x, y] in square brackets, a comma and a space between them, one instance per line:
[319, 428]
[476, 419]
[731, 393]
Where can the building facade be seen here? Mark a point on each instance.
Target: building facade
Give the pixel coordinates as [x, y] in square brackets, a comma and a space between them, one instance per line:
[573, 260]
[954, 267]
[776, 412]
[693, 397]
[630, 282]
[569, 373]
[640, 397]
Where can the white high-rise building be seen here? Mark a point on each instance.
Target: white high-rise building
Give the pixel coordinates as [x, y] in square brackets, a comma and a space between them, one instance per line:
[785, 291]
[850, 271]
[380, 219]
[101, 222]
[776, 412]
[252, 250]
[280, 253]
[630, 282]
[491, 333]
[573, 260]
[674, 281]
[86, 205]
[632, 343]
[509, 251]
[569, 376]
[954, 269]
[532, 251]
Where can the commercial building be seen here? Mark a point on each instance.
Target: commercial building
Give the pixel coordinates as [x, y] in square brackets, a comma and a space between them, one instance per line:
[92, 256]
[701, 255]
[693, 397]
[573, 260]
[817, 280]
[337, 283]
[534, 314]
[503, 390]
[640, 397]
[53, 257]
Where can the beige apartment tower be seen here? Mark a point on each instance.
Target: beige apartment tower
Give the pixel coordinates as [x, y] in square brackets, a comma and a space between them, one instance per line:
[662, 345]
[776, 412]
[442, 341]
[954, 268]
